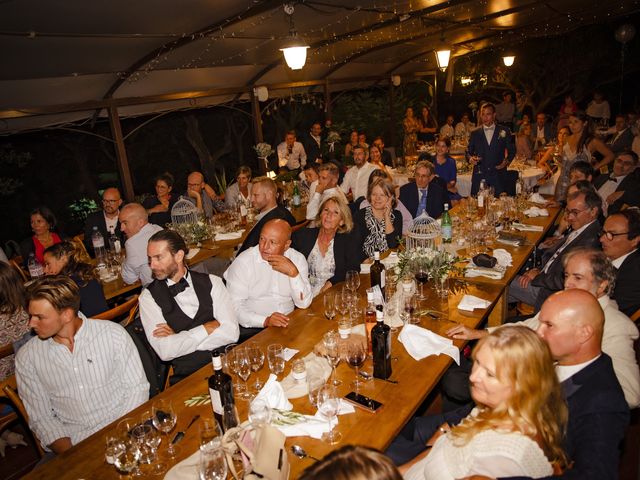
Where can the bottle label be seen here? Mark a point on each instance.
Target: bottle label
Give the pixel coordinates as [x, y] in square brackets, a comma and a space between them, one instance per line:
[382, 279]
[480, 201]
[216, 401]
[98, 242]
[446, 232]
[243, 210]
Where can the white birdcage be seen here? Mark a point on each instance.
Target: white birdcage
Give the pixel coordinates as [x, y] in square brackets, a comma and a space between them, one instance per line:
[184, 212]
[424, 233]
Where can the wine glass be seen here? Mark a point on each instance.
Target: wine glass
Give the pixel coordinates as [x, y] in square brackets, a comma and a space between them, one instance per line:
[352, 280]
[275, 358]
[256, 355]
[330, 341]
[114, 446]
[422, 277]
[390, 311]
[259, 412]
[243, 365]
[127, 456]
[140, 436]
[356, 355]
[210, 434]
[329, 305]
[153, 440]
[213, 464]
[328, 406]
[231, 360]
[164, 419]
[343, 300]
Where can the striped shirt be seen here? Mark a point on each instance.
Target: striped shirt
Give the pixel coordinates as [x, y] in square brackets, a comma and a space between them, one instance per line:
[74, 394]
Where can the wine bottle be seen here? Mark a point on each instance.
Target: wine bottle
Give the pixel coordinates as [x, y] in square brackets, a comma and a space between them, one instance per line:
[370, 316]
[447, 226]
[220, 388]
[377, 272]
[381, 343]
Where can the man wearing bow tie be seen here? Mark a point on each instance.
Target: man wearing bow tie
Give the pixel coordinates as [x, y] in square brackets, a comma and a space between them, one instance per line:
[621, 187]
[185, 314]
[490, 150]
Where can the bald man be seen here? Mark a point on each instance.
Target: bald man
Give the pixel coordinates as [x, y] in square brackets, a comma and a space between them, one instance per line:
[106, 220]
[134, 223]
[201, 194]
[268, 281]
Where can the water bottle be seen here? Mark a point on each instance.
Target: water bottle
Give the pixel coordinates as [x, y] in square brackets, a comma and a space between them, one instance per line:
[97, 240]
[35, 268]
[296, 200]
[447, 225]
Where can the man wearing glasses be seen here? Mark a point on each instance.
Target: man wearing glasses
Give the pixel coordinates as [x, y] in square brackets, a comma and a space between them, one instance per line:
[621, 187]
[106, 219]
[535, 285]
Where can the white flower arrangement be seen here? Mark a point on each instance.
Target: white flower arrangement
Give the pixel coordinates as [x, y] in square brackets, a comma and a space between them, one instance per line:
[263, 149]
[437, 263]
[503, 134]
[333, 137]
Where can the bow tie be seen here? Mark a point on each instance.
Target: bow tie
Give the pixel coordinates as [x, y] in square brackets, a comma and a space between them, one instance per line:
[179, 287]
[613, 179]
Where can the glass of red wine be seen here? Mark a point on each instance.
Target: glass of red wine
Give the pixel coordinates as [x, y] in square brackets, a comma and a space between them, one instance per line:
[422, 277]
[356, 355]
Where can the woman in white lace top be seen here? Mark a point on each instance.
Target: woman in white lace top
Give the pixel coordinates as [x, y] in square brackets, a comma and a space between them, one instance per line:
[517, 426]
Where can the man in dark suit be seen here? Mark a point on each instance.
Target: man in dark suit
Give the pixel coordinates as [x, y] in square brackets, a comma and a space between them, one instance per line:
[424, 193]
[106, 220]
[263, 198]
[621, 187]
[622, 138]
[535, 285]
[386, 156]
[542, 130]
[491, 149]
[620, 239]
[571, 323]
[313, 144]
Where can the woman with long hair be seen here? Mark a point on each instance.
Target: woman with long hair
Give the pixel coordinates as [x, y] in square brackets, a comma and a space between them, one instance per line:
[353, 141]
[517, 426]
[14, 320]
[411, 126]
[45, 233]
[428, 126]
[352, 462]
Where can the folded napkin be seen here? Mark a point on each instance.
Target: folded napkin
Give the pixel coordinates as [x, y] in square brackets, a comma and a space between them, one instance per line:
[289, 353]
[315, 365]
[187, 469]
[475, 271]
[536, 212]
[294, 424]
[504, 258]
[469, 303]
[420, 343]
[537, 198]
[389, 261]
[229, 236]
[525, 227]
[273, 395]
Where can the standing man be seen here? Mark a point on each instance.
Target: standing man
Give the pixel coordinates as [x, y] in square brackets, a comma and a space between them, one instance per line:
[356, 179]
[326, 186]
[621, 189]
[424, 194]
[313, 145]
[134, 223]
[201, 194]
[291, 154]
[490, 150]
[106, 220]
[505, 111]
[185, 314]
[78, 374]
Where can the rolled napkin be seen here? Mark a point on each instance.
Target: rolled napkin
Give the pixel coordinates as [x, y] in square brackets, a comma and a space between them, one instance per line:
[294, 424]
[228, 236]
[187, 469]
[420, 343]
[537, 198]
[315, 365]
[469, 303]
[273, 395]
[536, 212]
[473, 271]
[504, 258]
[525, 227]
[192, 253]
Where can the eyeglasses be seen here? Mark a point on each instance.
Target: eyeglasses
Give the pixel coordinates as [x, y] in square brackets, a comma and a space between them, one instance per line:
[609, 235]
[110, 201]
[574, 213]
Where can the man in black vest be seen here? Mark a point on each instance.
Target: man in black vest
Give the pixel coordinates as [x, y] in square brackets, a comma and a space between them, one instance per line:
[185, 314]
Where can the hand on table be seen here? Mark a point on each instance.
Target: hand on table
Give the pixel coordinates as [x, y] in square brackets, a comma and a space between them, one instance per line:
[163, 330]
[282, 264]
[525, 279]
[462, 332]
[276, 319]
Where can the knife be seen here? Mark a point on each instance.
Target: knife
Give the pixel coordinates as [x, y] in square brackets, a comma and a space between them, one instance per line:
[180, 435]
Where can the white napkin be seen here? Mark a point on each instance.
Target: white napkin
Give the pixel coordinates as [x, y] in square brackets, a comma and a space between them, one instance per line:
[273, 395]
[469, 303]
[420, 343]
[475, 271]
[389, 261]
[537, 198]
[304, 426]
[504, 257]
[187, 469]
[229, 235]
[192, 253]
[525, 227]
[315, 365]
[289, 353]
[536, 212]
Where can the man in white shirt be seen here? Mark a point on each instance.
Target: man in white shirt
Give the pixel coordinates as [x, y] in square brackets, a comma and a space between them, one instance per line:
[464, 127]
[78, 374]
[268, 281]
[621, 187]
[622, 136]
[106, 219]
[291, 154]
[134, 222]
[356, 179]
[326, 186]
[185, 314]
[447, 129]
[598, 109]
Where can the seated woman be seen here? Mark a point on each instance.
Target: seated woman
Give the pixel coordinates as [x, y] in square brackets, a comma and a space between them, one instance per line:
[446, 168]
[517, 426]
[407, 218]
[43, 225]
[379, 225]
[159, 206]
[375, 158]
[240, 189]
[64, 259]
[523, 141]
[14, 320]
[353, 141]
[330, 249]
[352, 463]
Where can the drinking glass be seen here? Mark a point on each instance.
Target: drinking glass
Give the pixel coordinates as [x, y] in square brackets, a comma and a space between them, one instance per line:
[328, 406]
[314, 383]
[164, 419]
[114, 446]
[422, 277]
[243, 365]
[153, 439]
[140, 436]
[230, 417]
[330, 341]
[356, 355]
[275, 358]
[442, 286]
[232, 366]
[259, 412]
[329, 301]
[210, 434]
[390, 310]
[213, 464]
[343, 300]
[352, 280]
[127, 456]
[256, 355]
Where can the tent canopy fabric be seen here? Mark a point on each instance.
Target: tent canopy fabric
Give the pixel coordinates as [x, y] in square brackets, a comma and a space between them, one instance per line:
[74, 51]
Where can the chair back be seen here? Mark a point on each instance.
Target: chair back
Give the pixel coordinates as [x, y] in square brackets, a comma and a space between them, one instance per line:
[16, 266]
[9, 390]
[120, 310]
[300, 225]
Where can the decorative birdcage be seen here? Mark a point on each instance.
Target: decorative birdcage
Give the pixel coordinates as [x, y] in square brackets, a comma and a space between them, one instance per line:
[424, 233]
[184, 212]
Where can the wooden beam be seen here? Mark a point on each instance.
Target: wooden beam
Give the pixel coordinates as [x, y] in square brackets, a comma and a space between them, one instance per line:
[392, 115]
[327, 101]
[121, 151]
[257, 127]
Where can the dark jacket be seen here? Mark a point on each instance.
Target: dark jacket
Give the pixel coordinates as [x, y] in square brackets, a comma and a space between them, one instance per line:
[92, 300]
[627, 289]
[254, 235]
[492, 155]
[629, 185]
[622, 143]
[437, 196]
[362, 232]
[159, 218]
[345, 250]
[311, 148]
[96, 219]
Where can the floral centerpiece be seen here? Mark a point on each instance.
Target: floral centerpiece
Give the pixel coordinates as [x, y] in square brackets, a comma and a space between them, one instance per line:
[437, 263]
[332, 138]
[264, 150]
[193, 233]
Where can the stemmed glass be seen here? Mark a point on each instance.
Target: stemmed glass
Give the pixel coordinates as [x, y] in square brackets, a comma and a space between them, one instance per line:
[127, 456]
[140, 436]
[243, 365]
[352, 280]
[356, 355]
[231, 360]
[422, 277]
[213, 464]
[329, 305]
[330, 341]
[153, 440]
[275, 358]
[256, 355]
[328, 405]
[164, 419]
[343, 300]
[124, 431]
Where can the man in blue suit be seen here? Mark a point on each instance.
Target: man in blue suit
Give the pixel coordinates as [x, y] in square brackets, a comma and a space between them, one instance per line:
[426, 193]
[491, 149]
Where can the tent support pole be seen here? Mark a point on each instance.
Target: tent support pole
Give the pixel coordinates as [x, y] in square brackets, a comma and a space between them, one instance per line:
[257, 127]
[121, 151]
[392, 116]
[328, 114]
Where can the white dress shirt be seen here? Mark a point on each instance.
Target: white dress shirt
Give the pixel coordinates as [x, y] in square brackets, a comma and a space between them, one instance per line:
[188, 341]
[607, 189]
[316, 199]
[257, 290]
[570, 238]
[296, 159]
[488, 132]
[356, 180]
[75, 394]
[620, 260]
[136, 263]
[111, 223]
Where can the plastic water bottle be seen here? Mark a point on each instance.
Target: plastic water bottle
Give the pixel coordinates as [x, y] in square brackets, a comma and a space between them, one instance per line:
[97, 240]
[35, 268]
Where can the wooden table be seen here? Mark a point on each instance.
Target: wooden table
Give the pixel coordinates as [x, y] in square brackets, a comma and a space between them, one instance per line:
[415, 382]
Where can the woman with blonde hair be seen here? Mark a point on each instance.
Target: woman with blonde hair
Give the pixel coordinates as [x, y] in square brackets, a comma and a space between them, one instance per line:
[240, 190]
[517, 426]
[330, 249]
[352, 462]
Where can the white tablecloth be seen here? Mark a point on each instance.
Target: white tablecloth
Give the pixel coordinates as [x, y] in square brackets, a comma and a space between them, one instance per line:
[530, 177]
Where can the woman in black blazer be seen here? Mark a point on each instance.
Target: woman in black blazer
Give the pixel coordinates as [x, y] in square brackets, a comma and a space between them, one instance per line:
[331, 248]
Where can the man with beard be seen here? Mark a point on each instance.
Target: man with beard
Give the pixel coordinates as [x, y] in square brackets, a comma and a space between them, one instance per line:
[185, 314]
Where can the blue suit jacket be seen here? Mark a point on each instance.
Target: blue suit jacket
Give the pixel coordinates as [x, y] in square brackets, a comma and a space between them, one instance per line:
[436, 198]
[492, 154]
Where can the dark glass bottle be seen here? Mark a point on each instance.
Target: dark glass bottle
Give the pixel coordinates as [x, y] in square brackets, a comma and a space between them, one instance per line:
[377, 272]
[381, 343]
[220, 388]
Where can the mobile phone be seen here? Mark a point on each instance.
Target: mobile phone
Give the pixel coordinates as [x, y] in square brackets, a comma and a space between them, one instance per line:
[362, 401]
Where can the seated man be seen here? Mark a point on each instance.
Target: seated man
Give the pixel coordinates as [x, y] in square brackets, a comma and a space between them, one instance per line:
[355, 181]
[620, 238]
[291, 154]
[263, 199]
[621, 189]
[106, 220]
[571, 323]
[581, 171]
[79, 374]
[425, 194]
[326, 186]
[185, 314]
[535, 285]
[134, 222]
[386, 156]
[268, 281]
[202, 195]
[448, 130]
